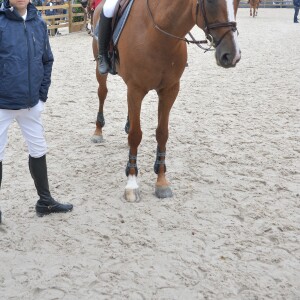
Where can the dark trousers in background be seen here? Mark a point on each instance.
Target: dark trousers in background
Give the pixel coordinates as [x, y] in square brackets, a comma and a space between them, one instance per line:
[296, 13]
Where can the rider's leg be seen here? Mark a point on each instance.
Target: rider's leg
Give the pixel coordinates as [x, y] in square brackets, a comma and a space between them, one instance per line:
[296, 14]
[109, 8]
[105, 34]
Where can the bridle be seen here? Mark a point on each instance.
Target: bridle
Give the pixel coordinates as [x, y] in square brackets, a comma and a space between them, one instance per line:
[207, 29]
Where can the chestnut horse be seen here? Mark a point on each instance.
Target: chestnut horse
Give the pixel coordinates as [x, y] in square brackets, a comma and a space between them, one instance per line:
[253, 7]
[152, 56]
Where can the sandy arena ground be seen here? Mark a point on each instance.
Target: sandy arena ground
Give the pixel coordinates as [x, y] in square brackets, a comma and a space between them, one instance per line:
[232, 229]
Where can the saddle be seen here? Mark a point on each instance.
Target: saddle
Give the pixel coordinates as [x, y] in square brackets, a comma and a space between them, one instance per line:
[120, 7]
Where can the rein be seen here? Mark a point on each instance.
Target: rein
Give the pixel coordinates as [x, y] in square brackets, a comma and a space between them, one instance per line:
[193, 41]
[208, 27]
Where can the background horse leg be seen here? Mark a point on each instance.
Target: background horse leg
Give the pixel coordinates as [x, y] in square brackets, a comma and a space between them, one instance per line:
[102, 93]
[92, 20]
[250, 11]
[134, 99]
[167, 98]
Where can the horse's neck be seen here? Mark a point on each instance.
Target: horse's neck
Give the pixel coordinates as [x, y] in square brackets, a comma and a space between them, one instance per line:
[175, 17]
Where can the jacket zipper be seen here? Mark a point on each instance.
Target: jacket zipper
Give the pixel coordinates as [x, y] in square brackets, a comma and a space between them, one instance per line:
[34, 45]
[28, 57]
[46, 47]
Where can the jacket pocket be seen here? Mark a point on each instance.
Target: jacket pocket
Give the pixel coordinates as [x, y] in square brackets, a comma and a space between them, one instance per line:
[37, 46]
[2, 76]
[14, 77]
[34, 45]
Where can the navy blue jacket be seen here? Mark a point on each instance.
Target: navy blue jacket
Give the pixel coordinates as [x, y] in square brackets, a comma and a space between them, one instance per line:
[26, 59]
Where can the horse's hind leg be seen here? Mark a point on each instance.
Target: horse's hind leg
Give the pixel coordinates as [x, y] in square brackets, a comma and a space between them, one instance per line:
[102, 93]
[250, 12]
[166, 100]
[134, 99]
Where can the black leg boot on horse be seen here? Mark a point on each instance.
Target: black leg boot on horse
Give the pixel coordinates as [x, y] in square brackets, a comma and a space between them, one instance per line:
[103, 41]
[46, 204]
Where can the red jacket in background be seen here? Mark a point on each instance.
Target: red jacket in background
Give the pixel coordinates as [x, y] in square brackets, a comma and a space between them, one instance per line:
[94, 4]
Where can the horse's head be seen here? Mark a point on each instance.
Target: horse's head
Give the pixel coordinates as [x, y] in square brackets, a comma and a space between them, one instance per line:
[217, 19]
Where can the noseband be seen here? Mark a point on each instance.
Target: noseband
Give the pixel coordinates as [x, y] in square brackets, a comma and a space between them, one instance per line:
[208, 27]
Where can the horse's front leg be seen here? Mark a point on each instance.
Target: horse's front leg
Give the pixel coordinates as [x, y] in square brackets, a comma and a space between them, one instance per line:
[102, 93]
[167, 98]
[134, 99]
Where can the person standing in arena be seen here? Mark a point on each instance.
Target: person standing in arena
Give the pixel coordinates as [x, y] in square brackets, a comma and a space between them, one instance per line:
[25, 70]
[91, 8]
[296, 8]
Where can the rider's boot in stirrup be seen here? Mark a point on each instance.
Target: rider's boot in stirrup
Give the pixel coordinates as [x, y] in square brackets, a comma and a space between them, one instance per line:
[103, 40]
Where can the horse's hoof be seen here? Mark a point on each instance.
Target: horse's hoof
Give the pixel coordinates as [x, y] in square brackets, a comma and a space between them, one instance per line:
[132, 195]
[163, 192]
[97, 139]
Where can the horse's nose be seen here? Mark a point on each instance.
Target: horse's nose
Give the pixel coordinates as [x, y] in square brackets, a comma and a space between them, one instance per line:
[228, 60]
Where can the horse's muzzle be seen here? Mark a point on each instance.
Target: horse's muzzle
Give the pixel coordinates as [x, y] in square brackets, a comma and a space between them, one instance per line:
[228, 59]
[228, 52]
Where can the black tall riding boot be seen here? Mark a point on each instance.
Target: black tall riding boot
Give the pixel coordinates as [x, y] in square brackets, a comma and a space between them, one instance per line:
[103, 42]
[0, 188]
[46, 204]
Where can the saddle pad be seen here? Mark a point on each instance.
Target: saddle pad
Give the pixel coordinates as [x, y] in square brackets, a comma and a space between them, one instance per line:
[121, 23]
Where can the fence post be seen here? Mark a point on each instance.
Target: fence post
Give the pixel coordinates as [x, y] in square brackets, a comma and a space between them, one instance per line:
[52, 31]
[70, 13]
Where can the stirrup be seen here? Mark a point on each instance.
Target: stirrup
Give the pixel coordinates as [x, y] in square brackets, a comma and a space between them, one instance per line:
[103, 64]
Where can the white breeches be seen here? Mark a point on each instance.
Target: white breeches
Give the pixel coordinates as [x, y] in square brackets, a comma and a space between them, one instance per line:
[31, 126]
[109, 8]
